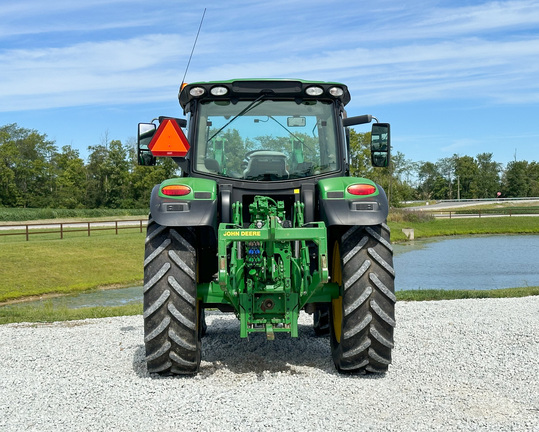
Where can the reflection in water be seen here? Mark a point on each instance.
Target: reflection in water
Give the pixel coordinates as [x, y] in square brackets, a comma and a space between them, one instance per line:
[112, 297]
[479, 262]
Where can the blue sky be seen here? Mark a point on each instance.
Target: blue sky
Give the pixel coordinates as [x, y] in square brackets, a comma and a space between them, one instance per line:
[452, 77]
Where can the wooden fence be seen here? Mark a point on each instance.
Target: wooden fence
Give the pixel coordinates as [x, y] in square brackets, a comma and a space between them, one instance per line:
[70, 227]
[481, 213]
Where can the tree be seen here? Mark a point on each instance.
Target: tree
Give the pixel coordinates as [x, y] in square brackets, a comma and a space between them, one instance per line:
[9, 194]
[117, 184]
[33, 173]
[96, 177]
[142, 179]
[395, 179]
[432, 184]
[71, 179]
[487, 182]
[446, 167]
[520, 179]
[360, 154]
[465, 173]
[533, 170]
[27, 160]
[108, 175]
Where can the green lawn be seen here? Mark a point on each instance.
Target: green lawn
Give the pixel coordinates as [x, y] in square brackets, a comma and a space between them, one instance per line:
[425, 295]
[48, 313]
[48, 265]
[466, 226]
[76, 263]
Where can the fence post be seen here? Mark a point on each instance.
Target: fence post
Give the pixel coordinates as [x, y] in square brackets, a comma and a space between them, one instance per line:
[116, 226]
[140, 225]
[61, 231]
[88, 229]
[27, 233]
[450, 215]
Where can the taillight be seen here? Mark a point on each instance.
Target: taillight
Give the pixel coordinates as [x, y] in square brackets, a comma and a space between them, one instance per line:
[361, 189]
[176, 190]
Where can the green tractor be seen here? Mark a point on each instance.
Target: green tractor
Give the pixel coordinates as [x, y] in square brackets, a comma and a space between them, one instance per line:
[264, 222]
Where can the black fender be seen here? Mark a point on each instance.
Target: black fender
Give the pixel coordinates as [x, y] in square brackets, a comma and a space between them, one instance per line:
[337, 207]
[197, 209]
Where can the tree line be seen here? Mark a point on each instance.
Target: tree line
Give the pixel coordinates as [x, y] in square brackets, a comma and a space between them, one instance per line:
[455, 177]
[35, 173]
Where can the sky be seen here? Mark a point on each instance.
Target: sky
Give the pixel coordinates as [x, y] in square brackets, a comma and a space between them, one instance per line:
[451, 76]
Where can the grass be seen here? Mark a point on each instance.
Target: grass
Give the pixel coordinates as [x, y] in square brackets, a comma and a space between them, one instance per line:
[48, 313]
[70, 265]
[427, 295]
[465, 226]
[46, 265]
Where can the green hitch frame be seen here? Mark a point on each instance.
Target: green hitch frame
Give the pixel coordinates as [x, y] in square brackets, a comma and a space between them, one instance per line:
[264, 271]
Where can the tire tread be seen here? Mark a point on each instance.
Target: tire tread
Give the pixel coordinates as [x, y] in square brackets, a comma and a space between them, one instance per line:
[170, 312]
[368, 302]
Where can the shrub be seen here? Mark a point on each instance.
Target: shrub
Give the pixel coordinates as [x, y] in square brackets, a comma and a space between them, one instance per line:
[403, 215]
[28, 214]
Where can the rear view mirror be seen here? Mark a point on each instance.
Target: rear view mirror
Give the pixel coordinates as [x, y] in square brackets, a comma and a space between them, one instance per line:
[296, 121]
[146, 132]
[380, 145]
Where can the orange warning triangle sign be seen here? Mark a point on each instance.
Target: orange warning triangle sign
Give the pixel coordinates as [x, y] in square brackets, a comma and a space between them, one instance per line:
[169, 140]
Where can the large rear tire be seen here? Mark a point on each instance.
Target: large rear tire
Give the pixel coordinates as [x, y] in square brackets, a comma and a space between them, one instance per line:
[363, 318]
[172, 316]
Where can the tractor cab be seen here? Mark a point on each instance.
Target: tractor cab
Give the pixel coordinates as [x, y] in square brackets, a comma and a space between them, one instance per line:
[268, 131]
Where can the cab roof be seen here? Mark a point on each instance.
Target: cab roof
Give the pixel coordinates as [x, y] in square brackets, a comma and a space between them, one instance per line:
[250, 89]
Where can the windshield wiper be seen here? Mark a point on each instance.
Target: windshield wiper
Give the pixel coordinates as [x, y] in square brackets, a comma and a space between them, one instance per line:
[248, 108]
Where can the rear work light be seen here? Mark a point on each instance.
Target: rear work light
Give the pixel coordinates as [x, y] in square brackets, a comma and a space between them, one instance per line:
[314, 91]
[176, 190]
[361, 189]
[336, 91]
[197, 91]
[219, 91]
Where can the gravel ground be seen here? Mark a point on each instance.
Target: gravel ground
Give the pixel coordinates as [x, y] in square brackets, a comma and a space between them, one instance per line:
[457, 365]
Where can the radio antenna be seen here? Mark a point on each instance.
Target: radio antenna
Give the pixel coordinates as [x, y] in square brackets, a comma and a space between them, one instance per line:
[193, 50]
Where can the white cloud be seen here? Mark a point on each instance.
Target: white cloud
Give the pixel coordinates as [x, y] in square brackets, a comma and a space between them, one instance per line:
[488, 52]
[37, 7]
[109, 70]
[488, 16]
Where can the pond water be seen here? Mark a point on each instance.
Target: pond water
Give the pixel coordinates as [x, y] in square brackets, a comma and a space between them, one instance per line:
[111, 297]
[478, 262]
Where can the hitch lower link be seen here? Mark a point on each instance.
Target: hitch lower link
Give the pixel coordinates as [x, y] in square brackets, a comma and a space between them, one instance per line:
[265, 271]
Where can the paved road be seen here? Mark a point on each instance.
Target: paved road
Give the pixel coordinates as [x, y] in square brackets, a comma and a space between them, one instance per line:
[446, 206]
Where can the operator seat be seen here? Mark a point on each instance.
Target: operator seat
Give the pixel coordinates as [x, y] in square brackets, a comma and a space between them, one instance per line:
[264, 164]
